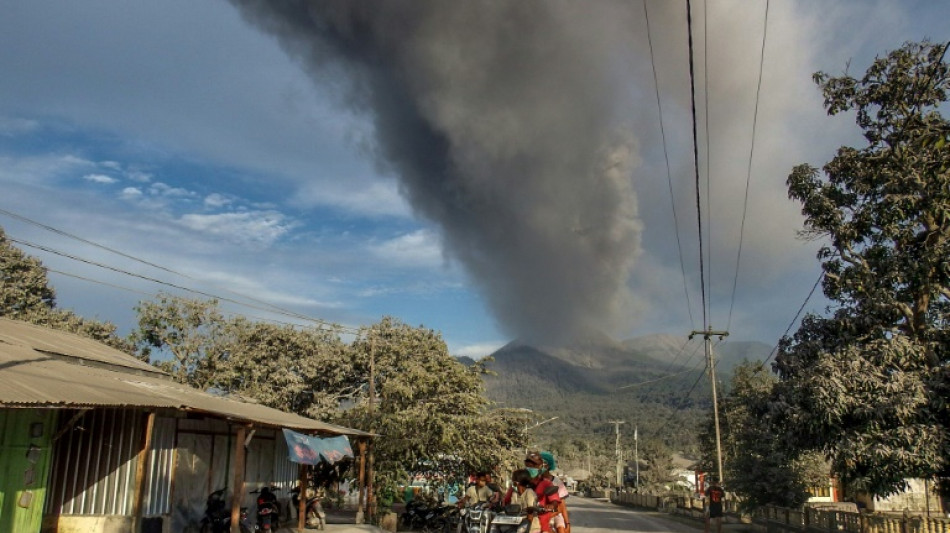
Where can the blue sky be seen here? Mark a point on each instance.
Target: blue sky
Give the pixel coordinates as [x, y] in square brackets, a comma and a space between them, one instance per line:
[179, 133]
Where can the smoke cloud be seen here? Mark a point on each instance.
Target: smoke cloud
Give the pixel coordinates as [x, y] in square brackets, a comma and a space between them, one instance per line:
[507, 126]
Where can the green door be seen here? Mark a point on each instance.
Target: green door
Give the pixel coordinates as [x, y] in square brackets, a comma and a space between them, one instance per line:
[25, 436]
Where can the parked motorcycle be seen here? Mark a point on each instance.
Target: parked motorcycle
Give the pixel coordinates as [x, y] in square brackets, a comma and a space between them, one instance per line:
[268, 510]
[315, 517]
[217, 517]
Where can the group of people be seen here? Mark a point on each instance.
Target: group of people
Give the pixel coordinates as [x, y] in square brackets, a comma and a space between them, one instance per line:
[534, 487]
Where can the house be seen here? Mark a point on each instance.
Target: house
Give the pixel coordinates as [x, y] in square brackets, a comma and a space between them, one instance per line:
[94, 440]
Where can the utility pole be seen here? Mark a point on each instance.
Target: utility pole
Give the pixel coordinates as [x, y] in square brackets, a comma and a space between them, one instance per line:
[590, 474]
[710, 364]
[616, 424]
[636, 455]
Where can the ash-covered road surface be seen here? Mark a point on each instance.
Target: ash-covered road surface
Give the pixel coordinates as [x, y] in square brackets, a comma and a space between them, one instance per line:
[590, 515]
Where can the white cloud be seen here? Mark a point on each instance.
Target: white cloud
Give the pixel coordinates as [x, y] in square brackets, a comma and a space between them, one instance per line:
[114, 165]
[216, 200]
[44, 169]
[362, 197]
[163, 189]
[421, 248]
[262, 227]
[100, 178]
[131, 193]
[11, 127]
[138, 176]
[477, 351]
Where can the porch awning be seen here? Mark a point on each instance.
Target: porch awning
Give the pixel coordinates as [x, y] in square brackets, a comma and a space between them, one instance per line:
[308, 450]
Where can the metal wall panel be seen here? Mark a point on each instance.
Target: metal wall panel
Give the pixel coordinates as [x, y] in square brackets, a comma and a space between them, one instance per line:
[161, 457]
[94, 462]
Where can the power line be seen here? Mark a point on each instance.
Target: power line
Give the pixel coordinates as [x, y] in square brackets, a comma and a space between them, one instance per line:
[748, 178]
[268, 309]
[150, 294]
[85, 241]
[708, 152]
[694, 383]
[668, 369]
[792, 323]
[669, 174]
[132, 257]
[699, 210]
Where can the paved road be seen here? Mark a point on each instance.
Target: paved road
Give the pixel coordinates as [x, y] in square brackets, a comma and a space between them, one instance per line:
[589, 515]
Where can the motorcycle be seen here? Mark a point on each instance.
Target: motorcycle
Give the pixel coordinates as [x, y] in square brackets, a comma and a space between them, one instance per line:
[217, 517]
[268, 510]
[511, 519]
[315, 517]
[475, 518]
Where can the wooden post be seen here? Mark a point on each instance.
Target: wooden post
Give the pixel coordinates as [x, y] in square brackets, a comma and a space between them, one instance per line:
[302, 496]
[361, 482]
[237, 490]
[140, 471]
[370, 489]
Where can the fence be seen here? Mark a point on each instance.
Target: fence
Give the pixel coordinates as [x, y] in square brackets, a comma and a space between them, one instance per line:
[813, 520]
[806, 520]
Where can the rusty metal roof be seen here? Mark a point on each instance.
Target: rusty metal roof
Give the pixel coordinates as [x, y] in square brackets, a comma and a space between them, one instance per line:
[42, 367]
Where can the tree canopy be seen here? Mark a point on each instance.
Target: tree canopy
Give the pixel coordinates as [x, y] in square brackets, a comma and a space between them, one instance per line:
[429, 410]
[25, 294]
[867, 384]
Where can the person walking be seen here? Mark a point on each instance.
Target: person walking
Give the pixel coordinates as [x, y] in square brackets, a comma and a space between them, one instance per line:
[714, 498]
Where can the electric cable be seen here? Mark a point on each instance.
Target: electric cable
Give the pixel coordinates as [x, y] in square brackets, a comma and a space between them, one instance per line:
[708, 151]
[699, 209]
[669, 174]
[748, 179]
[180, 287]
[150, 294]
[129, 256]
[792, 323]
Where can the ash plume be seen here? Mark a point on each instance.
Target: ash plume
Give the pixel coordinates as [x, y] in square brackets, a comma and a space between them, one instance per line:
[507, 126]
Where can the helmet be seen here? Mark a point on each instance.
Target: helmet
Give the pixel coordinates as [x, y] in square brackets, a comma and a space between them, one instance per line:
[548, 458]
[533, 459]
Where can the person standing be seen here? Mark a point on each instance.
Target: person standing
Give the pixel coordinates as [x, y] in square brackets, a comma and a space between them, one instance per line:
[714, 497]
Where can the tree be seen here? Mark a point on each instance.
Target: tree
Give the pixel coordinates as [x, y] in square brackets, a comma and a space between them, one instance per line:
[193, 332]
[867, 385]
[25, 294]
[307, 371]
[758, 464]
[427, 405]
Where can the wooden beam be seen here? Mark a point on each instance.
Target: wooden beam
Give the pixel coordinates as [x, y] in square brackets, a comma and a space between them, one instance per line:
[370, 488]
[302, 496]
[140, 471]
[237, 492]
[362, 481]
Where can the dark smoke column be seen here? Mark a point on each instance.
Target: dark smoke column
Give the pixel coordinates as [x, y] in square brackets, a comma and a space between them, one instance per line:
[506, 124]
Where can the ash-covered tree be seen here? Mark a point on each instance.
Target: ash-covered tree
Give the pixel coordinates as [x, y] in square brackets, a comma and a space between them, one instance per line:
[758, 463]
[868, 383]
[191, 338]
[305, 370]
[25, 294]
[427, 405]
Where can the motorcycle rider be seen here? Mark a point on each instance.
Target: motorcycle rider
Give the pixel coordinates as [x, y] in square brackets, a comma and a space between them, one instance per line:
[548, 500]
[478, 492]
[562, 522]
[525, 496]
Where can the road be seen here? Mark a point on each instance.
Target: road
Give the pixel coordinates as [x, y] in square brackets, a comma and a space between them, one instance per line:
[589, 515]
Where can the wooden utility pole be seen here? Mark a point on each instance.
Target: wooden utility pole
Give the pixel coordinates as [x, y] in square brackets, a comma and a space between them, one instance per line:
[237, 494]
[619, 452]
[370, 474]
[710, 364]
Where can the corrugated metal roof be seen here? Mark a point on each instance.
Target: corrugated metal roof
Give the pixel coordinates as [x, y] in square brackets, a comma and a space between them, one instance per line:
[41, 367]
